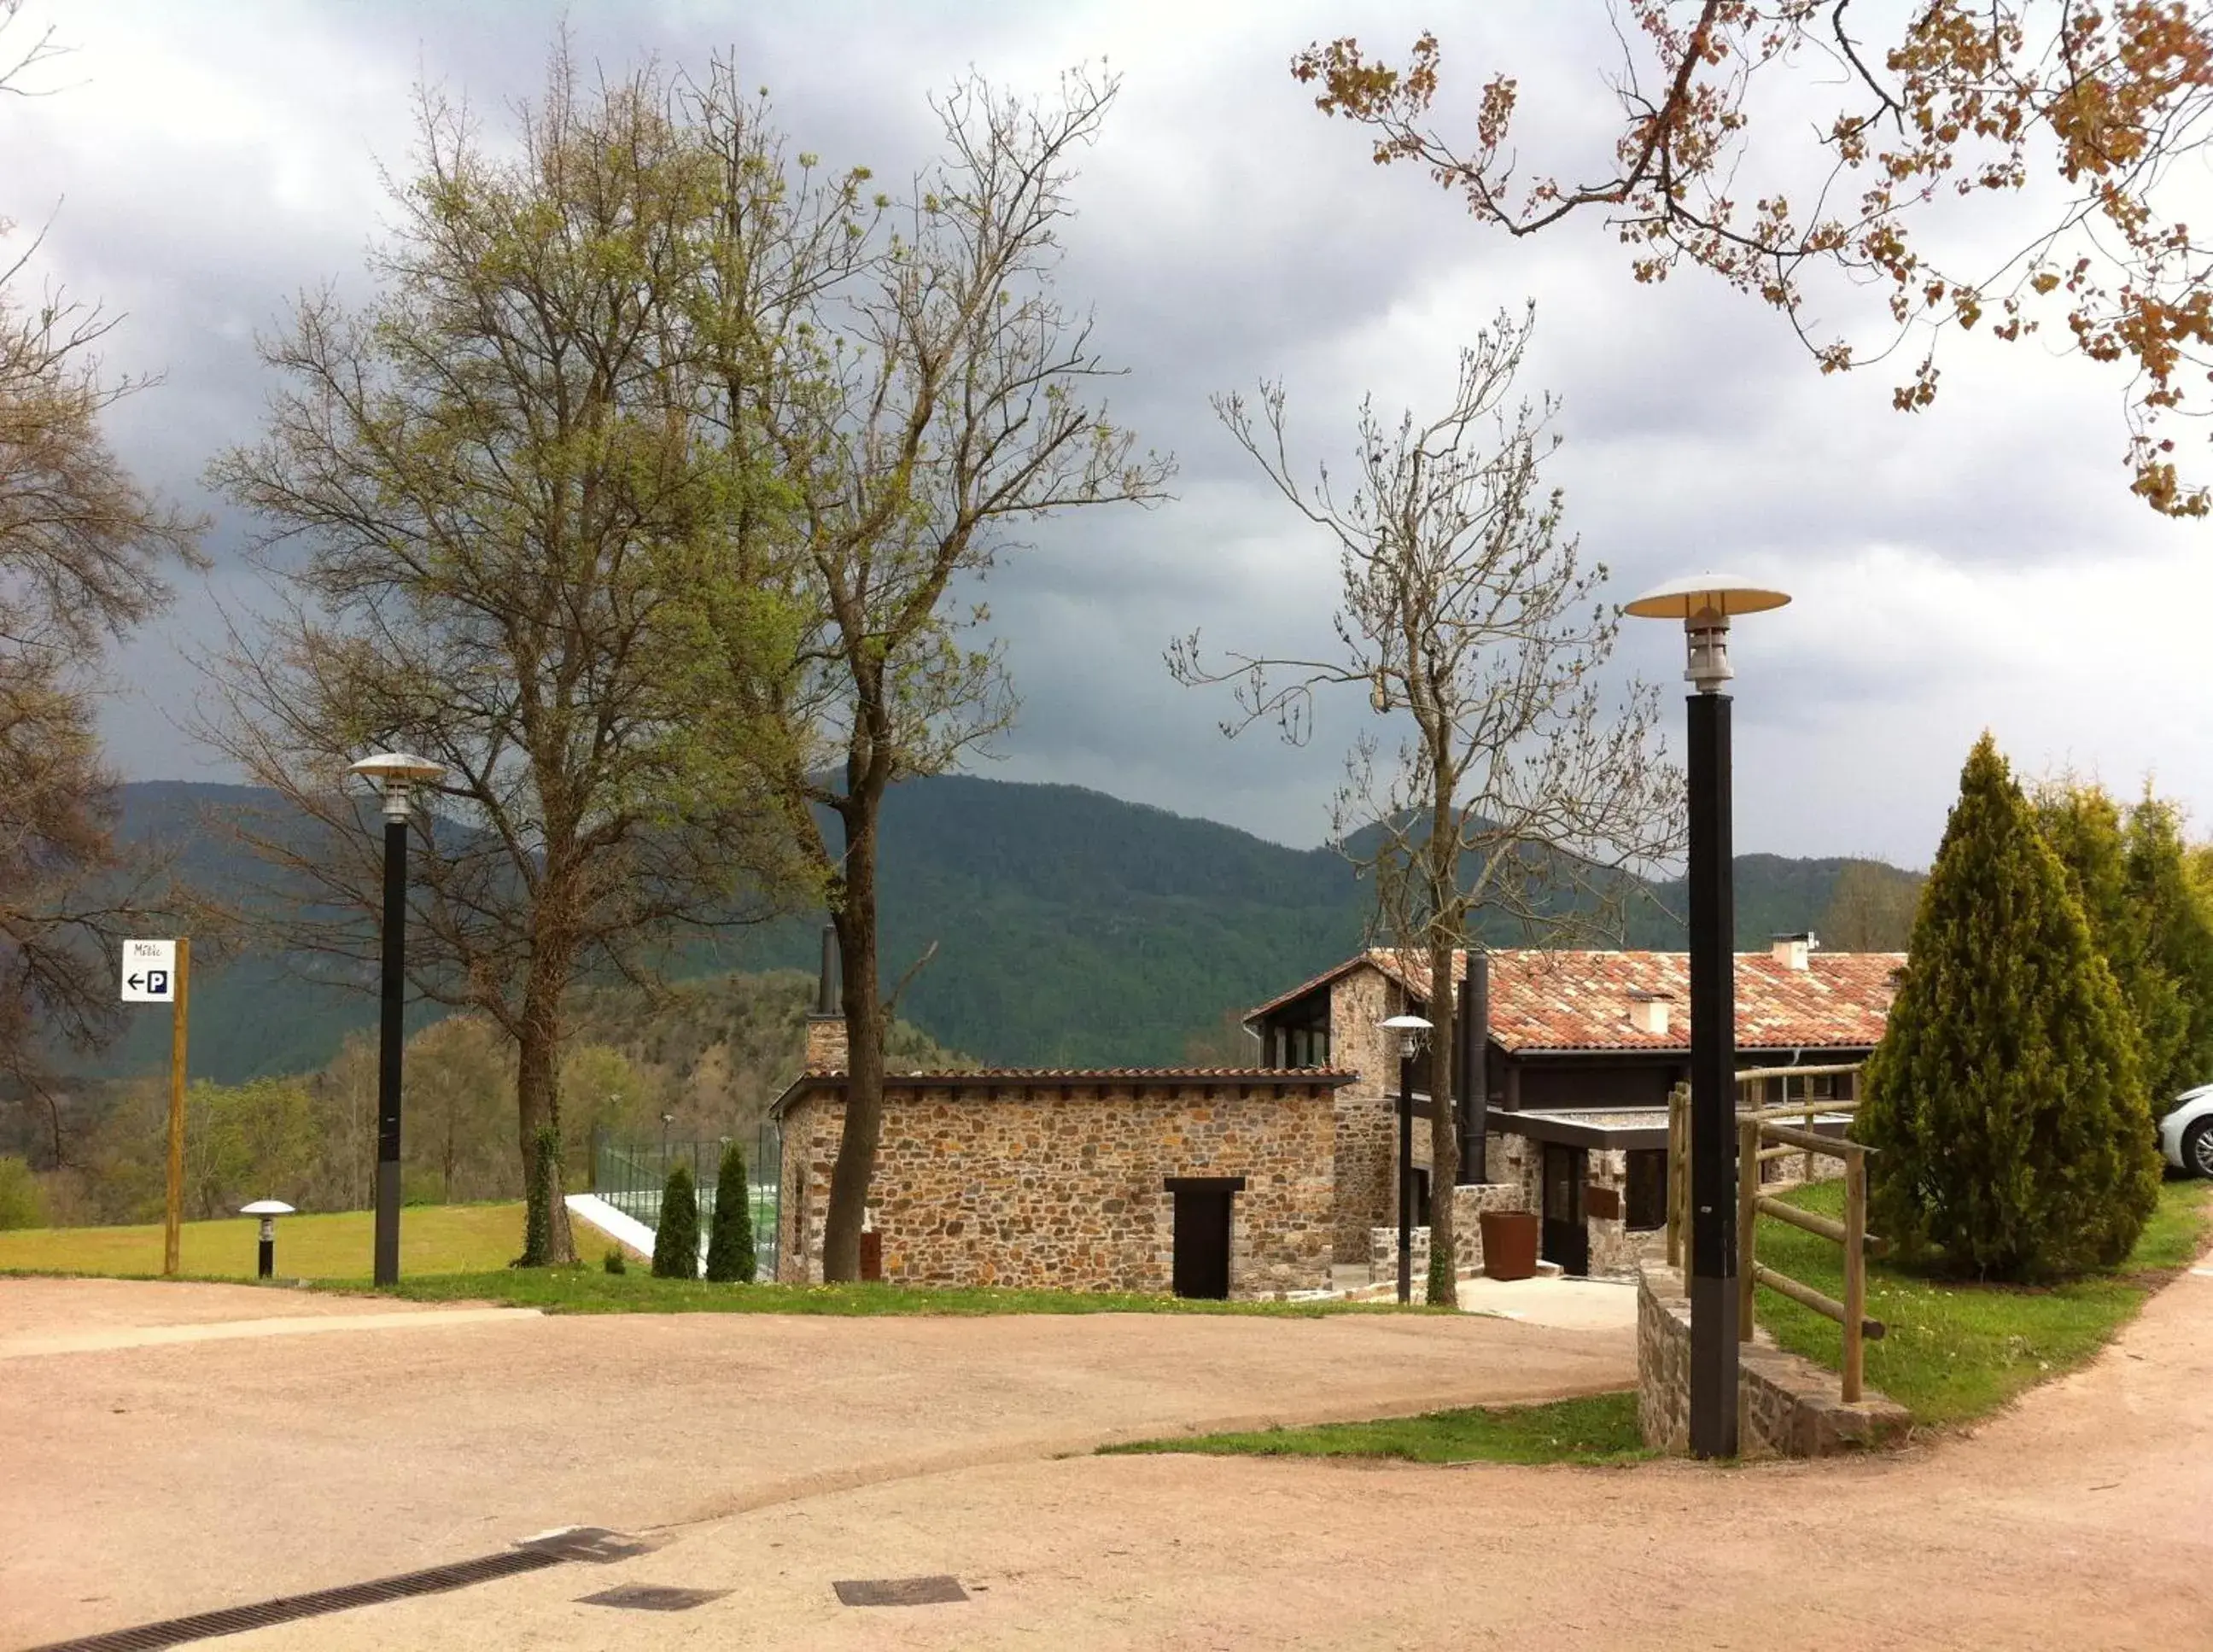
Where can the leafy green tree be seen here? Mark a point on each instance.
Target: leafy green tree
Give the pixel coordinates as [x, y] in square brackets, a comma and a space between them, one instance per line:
[2177, 923]
[950, 397]
[2006, 1101]
[483, 496]
[24, 1202]
[730, 1241]
[676, 1239]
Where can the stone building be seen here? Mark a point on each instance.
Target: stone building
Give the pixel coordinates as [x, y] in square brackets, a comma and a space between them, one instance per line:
[1282, 1177]
[1573, 1054]
[1204, 1181]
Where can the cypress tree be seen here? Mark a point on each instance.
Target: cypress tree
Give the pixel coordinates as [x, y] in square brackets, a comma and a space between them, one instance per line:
[2179, 940]
[676, 1240]
[2084, 826]
[731, 1240]
[2007, 1099]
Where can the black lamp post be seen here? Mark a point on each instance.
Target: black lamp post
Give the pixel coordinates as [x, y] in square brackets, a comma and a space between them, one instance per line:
[397, 773]
[1704, 602]
[1408, 1030]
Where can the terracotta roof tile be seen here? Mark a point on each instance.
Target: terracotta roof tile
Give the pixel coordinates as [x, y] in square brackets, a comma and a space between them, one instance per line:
[815, 1078]
[1546, 1000]
[1100, 1074]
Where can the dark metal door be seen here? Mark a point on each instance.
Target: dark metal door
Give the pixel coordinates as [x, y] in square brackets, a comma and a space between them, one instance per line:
[1567, 1240]
[1202, 1242]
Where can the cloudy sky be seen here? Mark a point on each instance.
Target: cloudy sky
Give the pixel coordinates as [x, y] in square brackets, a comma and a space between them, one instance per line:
[1979, 565]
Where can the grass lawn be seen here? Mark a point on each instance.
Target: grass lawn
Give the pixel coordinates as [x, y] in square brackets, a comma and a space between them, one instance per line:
[433, 1238]
[1958, 1350]
[588, 1289]
[1602, 1429]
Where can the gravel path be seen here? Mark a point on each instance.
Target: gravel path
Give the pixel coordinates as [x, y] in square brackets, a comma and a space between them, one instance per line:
[155, 1480]
[2082, 1519]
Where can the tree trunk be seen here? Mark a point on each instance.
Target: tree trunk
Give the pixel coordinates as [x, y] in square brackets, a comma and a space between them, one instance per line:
[1444, 1128]
[855, 919]
[537, 1090]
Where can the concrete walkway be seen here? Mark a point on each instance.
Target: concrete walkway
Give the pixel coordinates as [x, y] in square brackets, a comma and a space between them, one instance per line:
[149, 1477]
[1566, 1304]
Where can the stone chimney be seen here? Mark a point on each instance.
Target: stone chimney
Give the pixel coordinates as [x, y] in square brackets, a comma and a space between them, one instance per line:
[1793, 951]
[1648, 1013]
[825, 1026]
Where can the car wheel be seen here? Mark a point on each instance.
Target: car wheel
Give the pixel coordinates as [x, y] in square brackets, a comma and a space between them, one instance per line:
[2197, 1147]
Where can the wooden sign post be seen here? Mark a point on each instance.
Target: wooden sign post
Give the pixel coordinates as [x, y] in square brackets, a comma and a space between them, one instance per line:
[159, 971]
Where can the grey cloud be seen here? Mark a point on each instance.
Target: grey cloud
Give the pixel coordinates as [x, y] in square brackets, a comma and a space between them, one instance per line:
[1225, 231]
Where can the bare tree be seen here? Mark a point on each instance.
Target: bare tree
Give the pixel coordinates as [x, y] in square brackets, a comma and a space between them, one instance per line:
[83, 550]
[1522, 793]
[503, 475]
[944, 403]
[1870, 907]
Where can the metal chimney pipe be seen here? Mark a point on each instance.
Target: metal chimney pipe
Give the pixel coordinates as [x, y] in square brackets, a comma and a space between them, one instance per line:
[829, 988]
[1474, 1024]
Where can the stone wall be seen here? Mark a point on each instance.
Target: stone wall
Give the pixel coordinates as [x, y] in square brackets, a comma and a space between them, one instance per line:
[1613, 1247]
[1787, 1406]
[1064, 1187]
[826, 1044]
[1366, 1145]
[1470, 1201]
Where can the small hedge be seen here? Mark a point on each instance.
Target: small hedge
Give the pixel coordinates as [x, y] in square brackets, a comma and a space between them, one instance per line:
[676, 1241]
[730, 1256]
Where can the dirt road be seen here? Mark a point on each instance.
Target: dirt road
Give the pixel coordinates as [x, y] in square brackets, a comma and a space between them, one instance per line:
[2084, 1519]
[148, 1477]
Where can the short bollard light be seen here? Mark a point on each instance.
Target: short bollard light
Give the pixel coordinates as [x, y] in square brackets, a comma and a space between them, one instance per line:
[268, 1210]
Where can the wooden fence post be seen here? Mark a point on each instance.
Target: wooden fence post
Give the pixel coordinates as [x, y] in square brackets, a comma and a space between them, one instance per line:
[1855, 1273]
[1747, 1217]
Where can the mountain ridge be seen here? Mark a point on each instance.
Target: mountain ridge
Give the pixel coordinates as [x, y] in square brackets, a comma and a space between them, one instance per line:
[1072, 928]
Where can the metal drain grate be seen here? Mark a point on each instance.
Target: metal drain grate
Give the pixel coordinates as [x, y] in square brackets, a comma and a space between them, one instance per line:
[585, 1543]
[900, 1591]
[652, 1597]
[233, 1620]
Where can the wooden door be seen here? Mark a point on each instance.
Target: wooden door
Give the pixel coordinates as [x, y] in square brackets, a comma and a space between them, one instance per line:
[1202, 1242]
[1567, 1240]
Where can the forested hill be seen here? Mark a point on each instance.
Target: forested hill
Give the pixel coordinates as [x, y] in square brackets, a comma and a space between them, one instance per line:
[1071, 928]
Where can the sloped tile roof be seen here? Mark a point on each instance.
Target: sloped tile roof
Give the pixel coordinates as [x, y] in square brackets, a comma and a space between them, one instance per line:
[966, 1078]
[1545, 1000]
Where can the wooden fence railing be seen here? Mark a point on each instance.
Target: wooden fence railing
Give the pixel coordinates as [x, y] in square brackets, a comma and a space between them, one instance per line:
[1761, 1139]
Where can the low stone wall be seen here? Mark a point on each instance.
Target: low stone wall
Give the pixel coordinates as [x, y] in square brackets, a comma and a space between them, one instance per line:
[1470, 1201]
[1787, 1406]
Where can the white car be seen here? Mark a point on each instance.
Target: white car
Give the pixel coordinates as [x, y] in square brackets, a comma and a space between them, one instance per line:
[2185, 1135]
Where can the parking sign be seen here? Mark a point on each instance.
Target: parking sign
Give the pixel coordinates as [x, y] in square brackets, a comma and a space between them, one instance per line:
[149, 972]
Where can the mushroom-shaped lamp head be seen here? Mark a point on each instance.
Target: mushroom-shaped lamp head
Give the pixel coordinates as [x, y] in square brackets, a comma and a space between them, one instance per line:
[1409, 1029]
[1704, 603]
[398, 773]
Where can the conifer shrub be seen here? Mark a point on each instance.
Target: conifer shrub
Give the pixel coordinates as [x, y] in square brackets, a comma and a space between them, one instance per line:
[2007, 1099]
[676, 1240]
[730, 1239]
